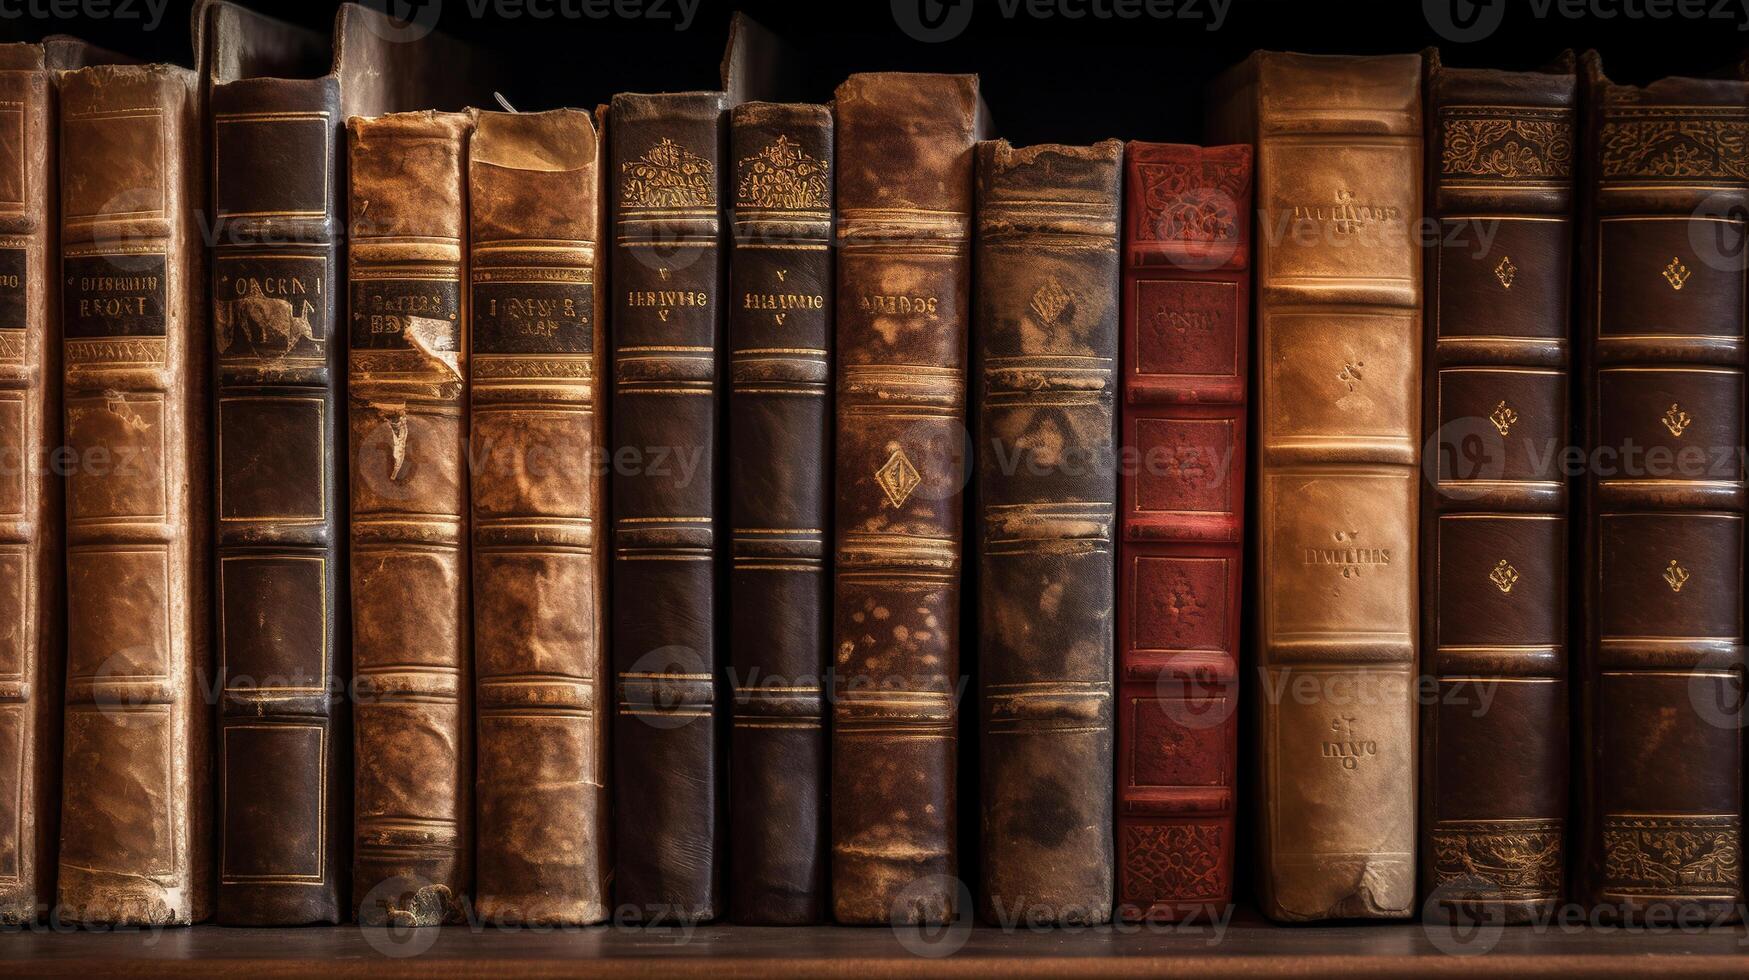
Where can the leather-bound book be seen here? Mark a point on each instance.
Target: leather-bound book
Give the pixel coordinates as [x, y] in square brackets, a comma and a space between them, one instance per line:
[666, 166]
[538, 427]
[1181, 487]
[31, 584]
[904, 288]
[780, 505]
[280, 97]
[136, 804]
[1045, 356]
[1500, 165]
[1660, 673]
[407, 379]
[1336, 454]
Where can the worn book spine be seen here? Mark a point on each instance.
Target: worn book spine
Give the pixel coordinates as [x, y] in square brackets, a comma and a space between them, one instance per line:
[666, 167]
[1337, 454]
[1661, 658]
[137, 807]
[30, 490]
[1181, 488]
[904, 288]
[1500, 156]
[282, 770]
[412, 686]
[780, 506]
[1046, 343]
[536, 356]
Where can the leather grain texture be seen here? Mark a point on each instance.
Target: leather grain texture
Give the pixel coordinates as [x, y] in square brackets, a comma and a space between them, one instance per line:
[1187, 298]
[667, 156]
[1045, 354]
[1661, 660]
[538, 428]
[1501, 149]
[780, 507]
[904, 289]
[407, 400]
[137, 808]
[1337, 452]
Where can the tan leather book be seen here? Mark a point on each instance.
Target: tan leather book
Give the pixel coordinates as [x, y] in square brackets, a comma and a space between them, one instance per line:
[904, 291]
[537, 359]
[136, 821]
[1336, 456]
[31, 586]
[413, 744]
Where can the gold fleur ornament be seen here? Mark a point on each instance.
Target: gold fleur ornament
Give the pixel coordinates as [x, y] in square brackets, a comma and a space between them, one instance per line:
[1675, 576]
[1676, 274]
[1506, 272]
[1676, 420]
[1504, 576]
[898, 478]
[1503, 417]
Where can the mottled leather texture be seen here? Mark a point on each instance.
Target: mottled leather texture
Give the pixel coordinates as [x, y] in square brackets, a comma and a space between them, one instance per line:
[780, 508]
[1181, 493]
[411, 644]
[904, 290]
[1045, 356]
[1501, 152]
[666, 173]
[137, 807]
[538, 426]
[1336, 454]
[1660, 676]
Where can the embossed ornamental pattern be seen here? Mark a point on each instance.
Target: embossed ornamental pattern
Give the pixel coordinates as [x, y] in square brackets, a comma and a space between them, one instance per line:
[1180, 860]
[1504, 860]
[1671, 854]
[668, 175]
[1674, 143]
[781, 175]
[1526, 146]
[1191, 202]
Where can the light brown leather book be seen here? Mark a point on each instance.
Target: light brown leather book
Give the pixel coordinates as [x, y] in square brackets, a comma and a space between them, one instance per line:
[31, 586]
[904, 291]
[1337, 453]
[537, 358]
[413, 734]
[136, 820]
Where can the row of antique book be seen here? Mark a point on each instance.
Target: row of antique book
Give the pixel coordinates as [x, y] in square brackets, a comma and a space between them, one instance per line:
[394, 537]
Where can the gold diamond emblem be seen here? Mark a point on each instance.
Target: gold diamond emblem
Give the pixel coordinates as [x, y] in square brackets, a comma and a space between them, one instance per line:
[1504, 576]
[1505, 272]
[1050, 300]
[898, 478]
[1676, 420]
[1503, 417]
[1676, 273]
[1676, 576]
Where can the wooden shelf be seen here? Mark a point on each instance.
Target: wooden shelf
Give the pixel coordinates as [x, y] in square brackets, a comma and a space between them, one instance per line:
[1247, 947]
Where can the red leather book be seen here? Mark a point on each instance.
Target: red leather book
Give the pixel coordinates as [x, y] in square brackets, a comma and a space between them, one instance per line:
[1181, 483]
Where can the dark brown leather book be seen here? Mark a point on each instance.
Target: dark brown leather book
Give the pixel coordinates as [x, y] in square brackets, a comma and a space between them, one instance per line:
[1661, 659]
[1181, 488]
[537, 356]
[904, 287]
[1337, 474]
[136, 805]
[412, 669]
[667, 165]
[1500, 164]
[780, 506]
[1045, 357]
[32, 588]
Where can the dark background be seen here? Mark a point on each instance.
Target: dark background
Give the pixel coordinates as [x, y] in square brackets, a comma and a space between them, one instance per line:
[1046, 80]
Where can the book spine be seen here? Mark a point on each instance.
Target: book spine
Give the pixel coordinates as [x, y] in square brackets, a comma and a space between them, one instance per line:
[667, 165]
[1500, 153]
[1046, 343]
[30, 489]
[281, 758]
[1338, 149]
[411, 643]
[135, 837]
[1187, 293]
[1661, 673]
[904, 287]
[780, 375]
[536, 357]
